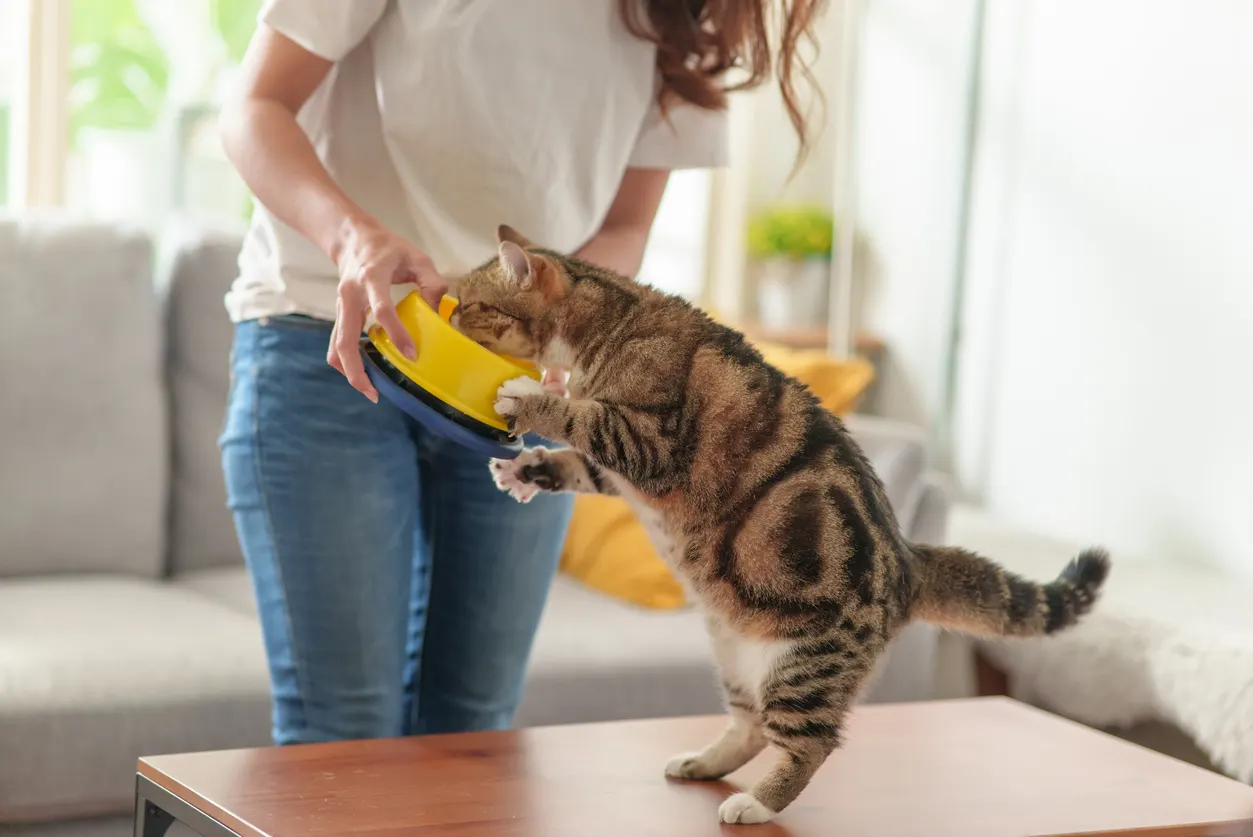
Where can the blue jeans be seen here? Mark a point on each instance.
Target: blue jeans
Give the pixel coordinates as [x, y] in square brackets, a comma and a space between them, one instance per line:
[399, 590]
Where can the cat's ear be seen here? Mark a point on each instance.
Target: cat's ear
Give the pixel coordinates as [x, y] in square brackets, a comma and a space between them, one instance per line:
[531, 271]
[507, 233]
[516, 264]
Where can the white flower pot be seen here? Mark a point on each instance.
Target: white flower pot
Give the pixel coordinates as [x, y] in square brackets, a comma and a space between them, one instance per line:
[793, 293]
[121, 175]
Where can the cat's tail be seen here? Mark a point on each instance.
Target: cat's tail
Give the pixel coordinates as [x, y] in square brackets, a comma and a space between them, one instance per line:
[966, 592]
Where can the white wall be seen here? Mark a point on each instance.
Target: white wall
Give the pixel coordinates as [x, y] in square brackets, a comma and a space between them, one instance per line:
[763, 152]
[911, 99]
[1108, 361]
[774, 141]
[675, 257]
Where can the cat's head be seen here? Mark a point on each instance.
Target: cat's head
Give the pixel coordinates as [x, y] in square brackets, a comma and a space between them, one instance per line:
[504, 303]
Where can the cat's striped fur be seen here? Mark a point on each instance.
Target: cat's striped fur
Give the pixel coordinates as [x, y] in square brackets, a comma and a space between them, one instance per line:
[757, 496]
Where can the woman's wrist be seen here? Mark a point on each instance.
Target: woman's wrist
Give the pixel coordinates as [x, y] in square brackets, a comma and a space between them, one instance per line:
[353, 225]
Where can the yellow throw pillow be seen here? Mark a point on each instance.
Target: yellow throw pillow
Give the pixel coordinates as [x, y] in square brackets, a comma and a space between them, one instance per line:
[839, 384]
[608, 550]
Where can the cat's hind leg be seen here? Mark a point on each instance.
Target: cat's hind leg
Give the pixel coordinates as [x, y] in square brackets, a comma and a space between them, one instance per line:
[804, 705]
[540, 469]
[739, 744]
[742, 740]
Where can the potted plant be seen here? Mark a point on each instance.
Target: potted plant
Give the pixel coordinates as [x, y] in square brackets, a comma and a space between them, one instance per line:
[791, 247]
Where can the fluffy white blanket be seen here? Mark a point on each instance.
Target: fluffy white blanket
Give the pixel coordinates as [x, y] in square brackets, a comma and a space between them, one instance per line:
[1171, 643]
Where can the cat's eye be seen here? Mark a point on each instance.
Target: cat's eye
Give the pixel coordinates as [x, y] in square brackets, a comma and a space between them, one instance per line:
[491, 309]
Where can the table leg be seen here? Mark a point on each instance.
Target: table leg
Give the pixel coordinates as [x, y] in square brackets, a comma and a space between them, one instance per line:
[150, 820]
[989, 680]
[156, 809]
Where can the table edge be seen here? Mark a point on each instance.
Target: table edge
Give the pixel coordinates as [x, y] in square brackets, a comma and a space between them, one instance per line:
[149, 769]
[199, 803]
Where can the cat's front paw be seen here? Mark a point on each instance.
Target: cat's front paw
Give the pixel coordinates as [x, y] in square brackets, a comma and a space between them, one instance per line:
[525, 476]
[510, 395]
[743, 808]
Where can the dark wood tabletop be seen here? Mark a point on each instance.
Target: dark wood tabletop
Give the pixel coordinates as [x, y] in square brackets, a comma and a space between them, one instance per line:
[987, 767]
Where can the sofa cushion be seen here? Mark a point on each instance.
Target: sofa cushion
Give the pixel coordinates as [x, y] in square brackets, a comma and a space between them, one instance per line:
[599, 659]
[198, 369]
[228, 586]
[596, 658]
[98, 671]
[82, 408]
[898, 453]
[930, 523]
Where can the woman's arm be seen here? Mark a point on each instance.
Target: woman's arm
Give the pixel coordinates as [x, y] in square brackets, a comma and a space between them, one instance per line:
[619, 244]
[275, 158]
[272, 152]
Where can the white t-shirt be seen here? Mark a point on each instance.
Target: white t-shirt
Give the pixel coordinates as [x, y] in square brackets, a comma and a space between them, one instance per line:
[447, 118]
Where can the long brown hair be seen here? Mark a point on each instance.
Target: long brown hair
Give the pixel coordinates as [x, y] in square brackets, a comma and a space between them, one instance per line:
[700, 41]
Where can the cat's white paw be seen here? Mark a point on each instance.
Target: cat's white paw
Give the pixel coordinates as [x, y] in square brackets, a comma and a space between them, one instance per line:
[507, 474]
[687, 766]
[511, 391]
[744, 808]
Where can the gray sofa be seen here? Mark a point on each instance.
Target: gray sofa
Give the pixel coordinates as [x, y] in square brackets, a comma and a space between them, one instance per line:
[127, 625]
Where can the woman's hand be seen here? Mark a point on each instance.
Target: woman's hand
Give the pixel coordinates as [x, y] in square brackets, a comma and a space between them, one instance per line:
[273, 154]
[371, 258]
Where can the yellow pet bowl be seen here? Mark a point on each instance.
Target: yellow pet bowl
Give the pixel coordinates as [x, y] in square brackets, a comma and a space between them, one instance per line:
[450, 387]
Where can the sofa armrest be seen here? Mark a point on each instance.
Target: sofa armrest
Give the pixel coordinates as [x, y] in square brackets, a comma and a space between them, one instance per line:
[199, 335]
[898, 451]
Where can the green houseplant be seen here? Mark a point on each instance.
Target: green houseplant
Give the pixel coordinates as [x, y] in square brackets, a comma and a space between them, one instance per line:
[119, 84]
[142, 106]
[118, 72]
[791, 248]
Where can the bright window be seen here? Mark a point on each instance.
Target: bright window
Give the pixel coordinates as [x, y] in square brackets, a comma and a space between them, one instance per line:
[675, 259]
[146, 77]
[11, 30]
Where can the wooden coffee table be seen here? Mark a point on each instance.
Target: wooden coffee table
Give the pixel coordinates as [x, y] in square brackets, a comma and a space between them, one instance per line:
[984, 767]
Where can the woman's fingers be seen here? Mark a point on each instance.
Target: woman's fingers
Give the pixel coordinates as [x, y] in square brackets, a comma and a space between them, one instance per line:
[379, 294]
[365, 290]
[332, 347]
[431, 285]
[347, 340]
[433, 292]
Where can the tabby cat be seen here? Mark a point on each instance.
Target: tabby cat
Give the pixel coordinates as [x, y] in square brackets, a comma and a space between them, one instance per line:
[756, 496]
